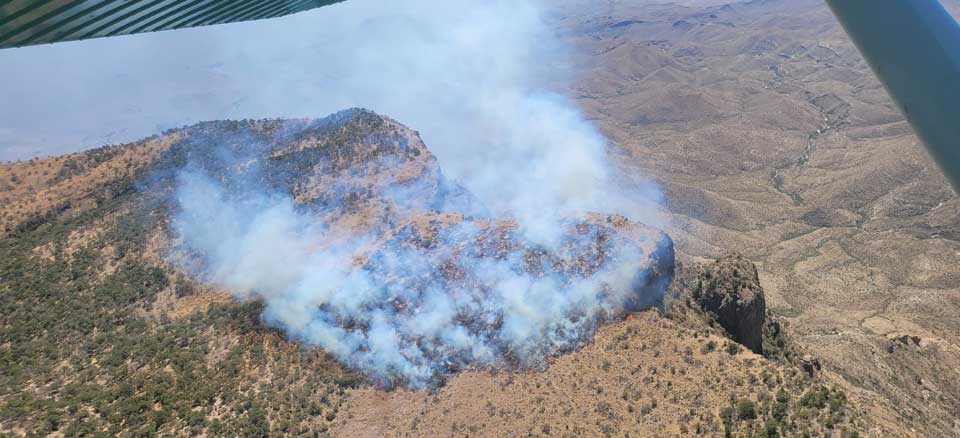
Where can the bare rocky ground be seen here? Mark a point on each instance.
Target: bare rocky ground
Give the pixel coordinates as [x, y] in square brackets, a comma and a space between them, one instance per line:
[772, 138]
[88, 256]
[646, 376]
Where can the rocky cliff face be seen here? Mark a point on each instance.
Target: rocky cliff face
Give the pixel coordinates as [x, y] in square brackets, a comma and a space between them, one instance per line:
[803, 165]
[730, 291]
[91, 235]
[87, 257]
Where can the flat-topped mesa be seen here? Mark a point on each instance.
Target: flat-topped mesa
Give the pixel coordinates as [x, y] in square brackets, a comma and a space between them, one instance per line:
[590, 246]
[356, 168]
[389, 265]
[517, 300]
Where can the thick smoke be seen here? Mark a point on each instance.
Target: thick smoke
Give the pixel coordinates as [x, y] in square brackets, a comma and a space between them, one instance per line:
[469, 75]
[400, 317]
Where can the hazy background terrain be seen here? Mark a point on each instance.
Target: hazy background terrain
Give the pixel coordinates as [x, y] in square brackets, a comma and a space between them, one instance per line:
[768, 133]
[120, 89]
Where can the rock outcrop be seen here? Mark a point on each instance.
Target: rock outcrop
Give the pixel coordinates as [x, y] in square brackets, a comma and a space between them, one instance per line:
[730, 291]
[110, 236]
[409, 245]
[811, 365]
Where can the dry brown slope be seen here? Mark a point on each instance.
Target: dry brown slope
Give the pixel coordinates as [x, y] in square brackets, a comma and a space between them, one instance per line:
[772, 137]
[646, 376]
[75, 182]
[149, 350]
[147, 335]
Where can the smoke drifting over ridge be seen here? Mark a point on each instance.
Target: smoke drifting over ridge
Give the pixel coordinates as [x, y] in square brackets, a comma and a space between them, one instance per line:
[470, 76]
[467, 74]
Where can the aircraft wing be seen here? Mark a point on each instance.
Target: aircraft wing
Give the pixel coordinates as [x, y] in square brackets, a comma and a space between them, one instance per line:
[29, 22]
[914, 48]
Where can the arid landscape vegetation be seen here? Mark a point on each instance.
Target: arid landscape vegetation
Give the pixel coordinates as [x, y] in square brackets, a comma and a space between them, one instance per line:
[154, 351]
[773, 138]
[811, 250]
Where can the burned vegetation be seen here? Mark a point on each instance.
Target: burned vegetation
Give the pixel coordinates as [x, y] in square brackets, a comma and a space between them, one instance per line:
[105, 331]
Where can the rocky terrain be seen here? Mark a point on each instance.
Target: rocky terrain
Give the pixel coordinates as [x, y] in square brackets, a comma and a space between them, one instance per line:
[676, 373]
[154, 350]
[773, 139]
[647, 376]
[730, 292]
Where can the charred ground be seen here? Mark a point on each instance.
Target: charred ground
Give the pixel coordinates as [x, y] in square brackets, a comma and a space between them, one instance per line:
[770, 137]
[104, 335]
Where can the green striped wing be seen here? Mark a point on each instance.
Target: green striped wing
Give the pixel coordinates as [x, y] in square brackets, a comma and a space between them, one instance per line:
[29, 22]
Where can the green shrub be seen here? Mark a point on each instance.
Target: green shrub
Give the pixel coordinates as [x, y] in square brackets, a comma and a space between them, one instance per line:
[816, 398]
[710, 346]
[746, 409]
[727, 415]
[733, 348]
[771, 428]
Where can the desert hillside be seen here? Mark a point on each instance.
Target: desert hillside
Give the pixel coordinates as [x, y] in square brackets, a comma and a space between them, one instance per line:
[803, 279]
[773, 138]
[108, 331]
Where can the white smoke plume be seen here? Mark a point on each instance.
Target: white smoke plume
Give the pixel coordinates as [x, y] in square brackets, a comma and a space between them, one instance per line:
[469, 76]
